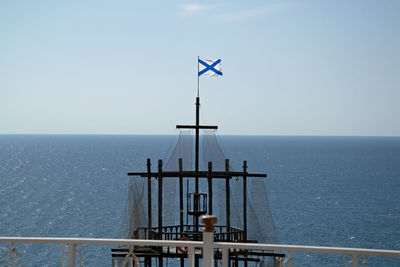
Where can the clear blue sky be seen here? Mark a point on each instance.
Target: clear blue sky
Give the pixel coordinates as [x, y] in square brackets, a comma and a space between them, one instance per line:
[129, 67]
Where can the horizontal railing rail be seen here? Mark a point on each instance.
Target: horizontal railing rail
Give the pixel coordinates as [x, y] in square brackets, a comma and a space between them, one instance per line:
[175, 232]
[207, 245]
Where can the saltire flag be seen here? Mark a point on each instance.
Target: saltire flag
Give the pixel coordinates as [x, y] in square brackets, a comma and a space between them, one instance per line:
[209, 67]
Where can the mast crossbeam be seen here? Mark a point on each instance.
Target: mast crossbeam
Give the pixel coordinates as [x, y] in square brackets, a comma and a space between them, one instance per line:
[196, 127]
[200, 174]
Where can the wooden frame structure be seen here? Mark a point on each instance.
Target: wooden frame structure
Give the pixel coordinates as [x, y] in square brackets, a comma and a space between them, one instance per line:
[197, 205]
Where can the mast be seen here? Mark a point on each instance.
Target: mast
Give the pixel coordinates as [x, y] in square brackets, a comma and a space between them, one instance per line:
[196, 166]
[197, 128]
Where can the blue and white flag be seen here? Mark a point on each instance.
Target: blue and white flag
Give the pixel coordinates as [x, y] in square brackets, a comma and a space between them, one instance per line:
[210, 67]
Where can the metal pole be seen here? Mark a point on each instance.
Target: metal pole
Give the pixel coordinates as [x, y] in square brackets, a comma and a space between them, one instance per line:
[210, 188]
[160, 193]
[228, 200]
[197, 140]
[182, 260]
[245, 200]
[149, 197]
[195, 200]
[160, 259]
[187, 201]
[180, 196]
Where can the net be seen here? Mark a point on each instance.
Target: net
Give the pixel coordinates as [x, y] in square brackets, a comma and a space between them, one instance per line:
[137, 204]
[260, 222]
[261, 226]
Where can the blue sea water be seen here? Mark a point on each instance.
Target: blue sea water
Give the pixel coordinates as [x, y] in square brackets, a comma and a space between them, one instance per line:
[323, 191]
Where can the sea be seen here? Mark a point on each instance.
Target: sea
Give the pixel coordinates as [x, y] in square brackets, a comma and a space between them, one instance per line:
[323, 191]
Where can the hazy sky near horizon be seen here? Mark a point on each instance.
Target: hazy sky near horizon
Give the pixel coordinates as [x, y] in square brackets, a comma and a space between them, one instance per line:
[130, 67]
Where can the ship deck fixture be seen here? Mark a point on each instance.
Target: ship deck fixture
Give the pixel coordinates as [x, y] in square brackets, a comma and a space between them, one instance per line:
[197, 204]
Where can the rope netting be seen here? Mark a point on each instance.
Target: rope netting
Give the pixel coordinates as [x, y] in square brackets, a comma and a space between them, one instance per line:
[136, 205]
[261, 226]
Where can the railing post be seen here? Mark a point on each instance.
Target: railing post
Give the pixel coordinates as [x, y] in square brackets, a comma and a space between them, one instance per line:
[71, 256]
[208, 239]
[354, 260]
[191, 256]
[225, 257]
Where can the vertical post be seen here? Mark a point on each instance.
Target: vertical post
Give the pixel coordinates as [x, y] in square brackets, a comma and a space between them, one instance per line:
[197, 140]
[191, 257]
[354, 260]
[228, 200]
[180, 196]
[245, 200]
[245, 204]
[187, 202]
[71, 256]
[160, 259]
[195, 200]
[160, 193]
[210, 196]
[198, 82]
[149, 224]
[208, 239]
[180, 166]
[225, 257]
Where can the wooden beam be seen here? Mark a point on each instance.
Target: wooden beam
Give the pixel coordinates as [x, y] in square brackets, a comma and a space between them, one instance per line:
[149, 224]
[228, 200]
[196, 164]
[160, 258]
[209, 178]
[180, 166]
[180, 196]
[214, 127]
[160, 194]
[244, 201]
[200, 174]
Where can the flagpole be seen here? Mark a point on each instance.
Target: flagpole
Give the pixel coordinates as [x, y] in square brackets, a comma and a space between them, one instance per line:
[198, 90]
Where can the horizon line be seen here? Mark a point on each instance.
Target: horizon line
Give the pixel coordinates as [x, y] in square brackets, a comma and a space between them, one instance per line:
[155, 134]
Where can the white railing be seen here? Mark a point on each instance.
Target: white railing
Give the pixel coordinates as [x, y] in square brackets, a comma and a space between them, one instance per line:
[207, 245]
